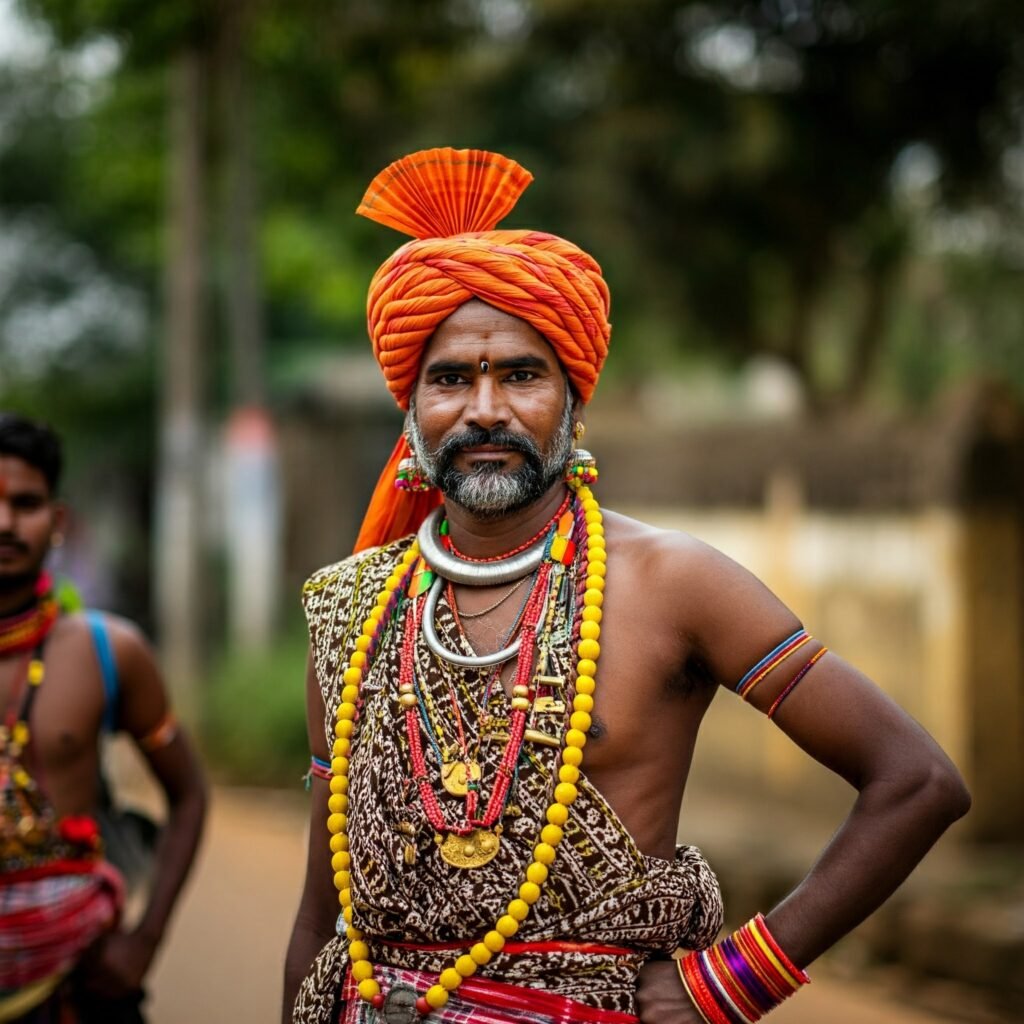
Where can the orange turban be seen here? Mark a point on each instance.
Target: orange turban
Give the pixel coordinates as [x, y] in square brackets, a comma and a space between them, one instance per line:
[450, 201]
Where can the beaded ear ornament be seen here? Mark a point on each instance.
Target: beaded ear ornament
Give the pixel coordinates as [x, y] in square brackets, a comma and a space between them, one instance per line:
[410, 476]
[581, 469]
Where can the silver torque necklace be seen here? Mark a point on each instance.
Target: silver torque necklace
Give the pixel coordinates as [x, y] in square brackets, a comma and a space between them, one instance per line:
[448, 566]
[433, 641]
[474, 574]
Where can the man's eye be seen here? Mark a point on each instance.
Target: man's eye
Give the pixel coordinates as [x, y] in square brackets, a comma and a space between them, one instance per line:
[520, 376]
[449, 379]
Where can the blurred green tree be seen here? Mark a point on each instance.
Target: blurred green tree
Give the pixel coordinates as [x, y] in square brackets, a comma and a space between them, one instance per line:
[780, 177]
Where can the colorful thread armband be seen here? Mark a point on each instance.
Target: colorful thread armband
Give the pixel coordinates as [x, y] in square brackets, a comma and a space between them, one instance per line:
[741, 978]
[317, 767]
[792, 683]
[771, 661]
[161, 735]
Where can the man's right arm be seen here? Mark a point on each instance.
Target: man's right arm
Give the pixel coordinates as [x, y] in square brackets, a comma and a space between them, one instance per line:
[318, 907]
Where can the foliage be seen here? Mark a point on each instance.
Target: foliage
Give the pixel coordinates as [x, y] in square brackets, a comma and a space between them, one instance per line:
[802, 179]
[255, 728]
[731, 164]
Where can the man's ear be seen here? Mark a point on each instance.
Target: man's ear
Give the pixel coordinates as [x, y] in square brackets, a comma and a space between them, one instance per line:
[61, 520]
[579, 425]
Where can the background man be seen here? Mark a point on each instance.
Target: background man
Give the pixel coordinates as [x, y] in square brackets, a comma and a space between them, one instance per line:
[466, 657]
[64, 680]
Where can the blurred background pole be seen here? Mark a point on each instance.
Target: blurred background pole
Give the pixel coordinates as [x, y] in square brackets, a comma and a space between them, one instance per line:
[178, 590]
[252, 504]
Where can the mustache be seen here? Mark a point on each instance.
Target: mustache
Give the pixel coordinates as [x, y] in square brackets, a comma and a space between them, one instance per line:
[475, 437]
[10, 540]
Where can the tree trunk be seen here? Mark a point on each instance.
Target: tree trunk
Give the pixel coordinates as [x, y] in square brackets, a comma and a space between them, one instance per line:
[252, 480]
[179, 494]
[866, 343]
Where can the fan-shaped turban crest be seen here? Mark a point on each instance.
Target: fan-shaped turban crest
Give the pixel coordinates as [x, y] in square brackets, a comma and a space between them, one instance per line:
[451, 201]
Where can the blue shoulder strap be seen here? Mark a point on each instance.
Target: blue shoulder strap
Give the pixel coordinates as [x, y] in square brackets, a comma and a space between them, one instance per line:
[108, 667]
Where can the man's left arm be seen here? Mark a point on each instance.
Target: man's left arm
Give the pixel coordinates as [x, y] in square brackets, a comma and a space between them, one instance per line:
[908, 791]
[124, 958]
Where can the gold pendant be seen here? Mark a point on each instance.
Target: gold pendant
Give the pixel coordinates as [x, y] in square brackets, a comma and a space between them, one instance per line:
[455, 776]
[549, 706]
[554, 682]
[540, 737]
[408, 830]
[473, 851]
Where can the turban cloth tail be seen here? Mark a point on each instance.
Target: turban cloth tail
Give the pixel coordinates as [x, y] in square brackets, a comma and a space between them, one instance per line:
[393, 513]
[451, 201]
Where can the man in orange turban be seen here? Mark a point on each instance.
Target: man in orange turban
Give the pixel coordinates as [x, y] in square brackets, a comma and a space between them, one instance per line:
[505, 689]
[450, 202]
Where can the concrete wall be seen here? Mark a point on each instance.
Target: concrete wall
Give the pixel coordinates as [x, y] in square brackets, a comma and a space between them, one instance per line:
[927, 604]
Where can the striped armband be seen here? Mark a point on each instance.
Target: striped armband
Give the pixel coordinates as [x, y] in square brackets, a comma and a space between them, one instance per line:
[771, 661]
[161, 735]
[318, 768]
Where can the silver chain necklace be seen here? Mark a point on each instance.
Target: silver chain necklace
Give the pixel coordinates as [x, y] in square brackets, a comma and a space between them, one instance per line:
[491, 607]
[433, 641]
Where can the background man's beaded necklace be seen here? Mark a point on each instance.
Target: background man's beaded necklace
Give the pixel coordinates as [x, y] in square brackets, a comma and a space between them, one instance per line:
[557, 814]
[27, 629]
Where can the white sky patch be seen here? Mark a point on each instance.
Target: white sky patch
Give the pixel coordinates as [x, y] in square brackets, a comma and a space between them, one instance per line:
[23, 42]
[734, 53]
[55, 300]
[915, 171]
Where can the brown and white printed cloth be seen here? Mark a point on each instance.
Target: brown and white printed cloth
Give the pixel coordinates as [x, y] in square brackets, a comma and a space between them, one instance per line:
[602, 889]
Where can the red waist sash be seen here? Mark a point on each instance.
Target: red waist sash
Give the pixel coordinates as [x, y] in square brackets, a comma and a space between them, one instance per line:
[484, 1001]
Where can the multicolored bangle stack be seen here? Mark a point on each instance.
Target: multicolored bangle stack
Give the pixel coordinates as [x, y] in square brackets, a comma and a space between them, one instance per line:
[741, 978]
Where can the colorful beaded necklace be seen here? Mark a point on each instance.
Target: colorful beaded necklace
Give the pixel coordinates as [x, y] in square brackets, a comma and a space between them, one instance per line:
[565, 791]
[471, 843]
[27, 629]
[450, 544]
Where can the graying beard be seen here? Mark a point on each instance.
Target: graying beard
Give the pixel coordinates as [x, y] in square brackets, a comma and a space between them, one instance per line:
[488, 492]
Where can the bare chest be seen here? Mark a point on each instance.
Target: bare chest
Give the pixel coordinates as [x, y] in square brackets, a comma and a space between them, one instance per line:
[65, 711]
[642, 707]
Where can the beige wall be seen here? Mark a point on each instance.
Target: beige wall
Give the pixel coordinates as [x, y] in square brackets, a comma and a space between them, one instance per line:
[929, 604]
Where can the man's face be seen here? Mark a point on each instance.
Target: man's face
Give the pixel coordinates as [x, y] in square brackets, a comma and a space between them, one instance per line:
[491, 417]
[28, 518]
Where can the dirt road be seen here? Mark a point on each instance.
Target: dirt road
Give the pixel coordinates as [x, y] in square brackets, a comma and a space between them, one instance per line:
[224, 958]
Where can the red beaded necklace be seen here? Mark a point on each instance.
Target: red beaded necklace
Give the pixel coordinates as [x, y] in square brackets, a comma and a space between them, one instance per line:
[26, 630]
[522, 701]
[450, 544]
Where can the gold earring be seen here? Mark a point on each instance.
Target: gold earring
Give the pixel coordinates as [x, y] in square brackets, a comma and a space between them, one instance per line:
[56, 539]
[578, 431]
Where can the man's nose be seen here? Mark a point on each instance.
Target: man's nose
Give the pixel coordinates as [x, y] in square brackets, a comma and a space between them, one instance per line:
[6, 516]
[487, 407]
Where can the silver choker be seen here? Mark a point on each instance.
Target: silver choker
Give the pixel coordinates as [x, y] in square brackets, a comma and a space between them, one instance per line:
[474, 574]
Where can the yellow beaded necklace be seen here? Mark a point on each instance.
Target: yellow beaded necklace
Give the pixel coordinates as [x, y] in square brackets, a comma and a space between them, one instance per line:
[518, 909]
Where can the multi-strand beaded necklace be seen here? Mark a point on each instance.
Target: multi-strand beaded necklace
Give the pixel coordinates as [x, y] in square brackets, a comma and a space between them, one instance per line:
[31, 834]
[408, 581]
[27, 629]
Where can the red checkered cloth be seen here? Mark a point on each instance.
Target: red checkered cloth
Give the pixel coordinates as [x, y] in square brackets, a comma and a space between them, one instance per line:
[477, 1001]
[46, 923]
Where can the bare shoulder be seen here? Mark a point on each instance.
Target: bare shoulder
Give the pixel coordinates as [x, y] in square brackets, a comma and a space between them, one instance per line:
[727, 615]
[134, 657]
[668, 556]
[130, 645]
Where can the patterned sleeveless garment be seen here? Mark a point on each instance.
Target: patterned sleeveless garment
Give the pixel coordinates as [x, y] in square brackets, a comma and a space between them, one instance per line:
[601, 889]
